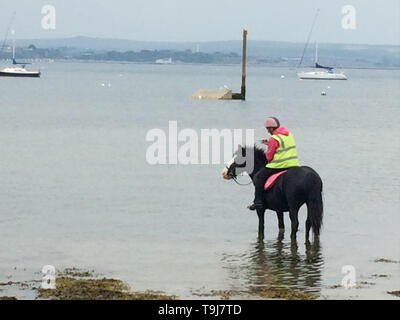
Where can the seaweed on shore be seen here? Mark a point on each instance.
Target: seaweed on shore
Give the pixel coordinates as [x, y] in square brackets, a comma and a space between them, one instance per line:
[286, 293]
[75, 272]
[386, 260]
[264, 293]
[72, 288]
[395, 293]
[223, 294]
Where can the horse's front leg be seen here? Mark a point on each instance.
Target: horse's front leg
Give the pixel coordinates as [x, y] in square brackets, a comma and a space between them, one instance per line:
[281, 223]
[260, 213]
[293, 212]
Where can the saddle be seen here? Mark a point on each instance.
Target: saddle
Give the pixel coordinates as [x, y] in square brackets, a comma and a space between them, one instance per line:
[271, 180]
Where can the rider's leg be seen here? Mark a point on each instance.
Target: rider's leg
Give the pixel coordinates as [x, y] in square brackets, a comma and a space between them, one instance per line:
[259, 181]
[255, 180]
[259, 198]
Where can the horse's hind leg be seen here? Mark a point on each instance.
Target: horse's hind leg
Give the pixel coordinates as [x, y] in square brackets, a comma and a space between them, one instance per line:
[281, 223]
[308, 227]
[293, 213]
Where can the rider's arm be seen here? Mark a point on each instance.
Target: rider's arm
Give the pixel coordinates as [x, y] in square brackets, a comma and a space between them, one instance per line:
[272, 146]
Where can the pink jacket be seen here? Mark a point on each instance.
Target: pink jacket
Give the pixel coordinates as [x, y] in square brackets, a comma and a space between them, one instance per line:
[274, 144]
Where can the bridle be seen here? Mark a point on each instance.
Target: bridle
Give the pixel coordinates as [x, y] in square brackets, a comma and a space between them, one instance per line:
[234, 177]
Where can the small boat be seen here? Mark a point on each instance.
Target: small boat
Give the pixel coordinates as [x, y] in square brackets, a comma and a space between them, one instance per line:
[164, 61]
[18, 72]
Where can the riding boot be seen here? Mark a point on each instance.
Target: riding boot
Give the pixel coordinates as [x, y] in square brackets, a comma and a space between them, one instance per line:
[252, 206]
[258, 203]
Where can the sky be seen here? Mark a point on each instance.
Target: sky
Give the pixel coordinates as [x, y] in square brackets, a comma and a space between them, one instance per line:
[376, 21]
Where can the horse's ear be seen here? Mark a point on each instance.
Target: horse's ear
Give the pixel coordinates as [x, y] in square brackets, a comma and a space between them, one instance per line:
[242, 150]
[239, 148]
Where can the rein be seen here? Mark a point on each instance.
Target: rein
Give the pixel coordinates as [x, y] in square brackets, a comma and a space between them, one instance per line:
[240, 184]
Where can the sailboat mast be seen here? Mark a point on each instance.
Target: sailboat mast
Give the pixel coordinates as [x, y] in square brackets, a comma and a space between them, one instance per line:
[316, 52]
[13, 33]
[308, 38]
[8, 30]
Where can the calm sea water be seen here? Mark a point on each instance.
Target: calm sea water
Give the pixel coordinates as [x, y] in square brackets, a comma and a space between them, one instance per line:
[76, 190]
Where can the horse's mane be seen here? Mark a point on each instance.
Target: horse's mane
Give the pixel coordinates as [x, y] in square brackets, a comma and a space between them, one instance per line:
[259, 155]
[258, 149]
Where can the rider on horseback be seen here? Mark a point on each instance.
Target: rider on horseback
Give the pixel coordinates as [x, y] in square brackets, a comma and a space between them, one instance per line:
[281, 155]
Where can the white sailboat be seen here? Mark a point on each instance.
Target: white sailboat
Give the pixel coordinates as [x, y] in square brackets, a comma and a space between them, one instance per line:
[321, 75]
[321, 72]
[17, 71]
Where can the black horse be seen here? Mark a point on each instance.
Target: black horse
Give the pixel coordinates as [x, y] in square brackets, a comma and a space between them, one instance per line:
[291, 190]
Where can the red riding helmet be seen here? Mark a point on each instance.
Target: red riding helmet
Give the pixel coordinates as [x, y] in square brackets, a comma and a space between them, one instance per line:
[271, 122]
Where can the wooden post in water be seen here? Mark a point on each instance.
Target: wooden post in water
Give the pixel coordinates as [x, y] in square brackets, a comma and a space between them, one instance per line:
[226, 94]
[242, 94]
[244, 55]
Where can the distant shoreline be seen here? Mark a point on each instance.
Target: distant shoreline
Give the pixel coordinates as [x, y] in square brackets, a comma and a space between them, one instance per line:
[270, 53]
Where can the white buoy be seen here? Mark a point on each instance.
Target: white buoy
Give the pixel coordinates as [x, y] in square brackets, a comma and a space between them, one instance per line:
[323, 93]
[282, 77]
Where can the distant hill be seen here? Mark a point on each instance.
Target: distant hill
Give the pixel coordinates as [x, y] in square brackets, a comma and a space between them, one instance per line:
[271, 52]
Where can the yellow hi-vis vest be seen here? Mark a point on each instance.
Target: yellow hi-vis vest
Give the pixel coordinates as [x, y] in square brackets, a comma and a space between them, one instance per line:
[285, 155]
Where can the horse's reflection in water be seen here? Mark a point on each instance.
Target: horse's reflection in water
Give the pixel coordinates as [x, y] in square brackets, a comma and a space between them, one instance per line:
[277, 264]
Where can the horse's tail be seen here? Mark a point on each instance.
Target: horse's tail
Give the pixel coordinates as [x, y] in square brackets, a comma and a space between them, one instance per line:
[315, 206]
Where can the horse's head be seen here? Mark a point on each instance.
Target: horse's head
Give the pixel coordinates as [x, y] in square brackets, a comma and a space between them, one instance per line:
[245, 159]
[230, 171]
